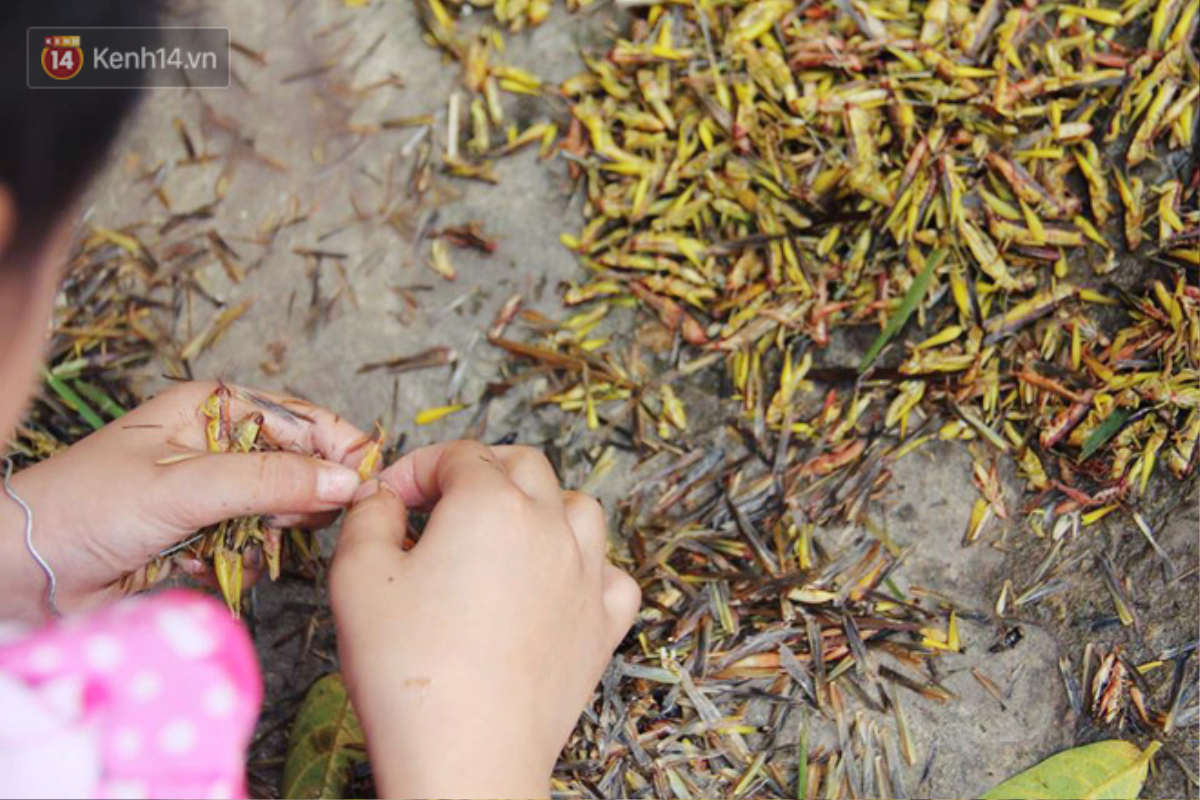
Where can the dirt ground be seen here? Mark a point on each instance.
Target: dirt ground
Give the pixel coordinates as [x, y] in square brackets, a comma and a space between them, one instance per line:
[325, 70]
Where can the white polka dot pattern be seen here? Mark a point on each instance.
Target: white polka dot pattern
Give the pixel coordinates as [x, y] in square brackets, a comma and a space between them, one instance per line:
[177, 738]
[102, 653]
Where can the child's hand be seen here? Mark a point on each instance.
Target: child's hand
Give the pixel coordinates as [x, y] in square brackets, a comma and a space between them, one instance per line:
[105, 507]
[470, 657]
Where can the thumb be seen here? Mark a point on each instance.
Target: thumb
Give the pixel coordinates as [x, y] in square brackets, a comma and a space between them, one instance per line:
[375, 524]
[214, 487]
[372, 532]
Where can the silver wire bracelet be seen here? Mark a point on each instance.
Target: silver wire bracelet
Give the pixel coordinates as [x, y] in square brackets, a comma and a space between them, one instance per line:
[52, 590]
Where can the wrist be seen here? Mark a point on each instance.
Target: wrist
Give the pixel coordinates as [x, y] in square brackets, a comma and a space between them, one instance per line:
[458, 774]
[451, 750]
[23, 584]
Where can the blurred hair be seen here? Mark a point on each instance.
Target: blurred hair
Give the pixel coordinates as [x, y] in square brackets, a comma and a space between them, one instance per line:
[53, 140]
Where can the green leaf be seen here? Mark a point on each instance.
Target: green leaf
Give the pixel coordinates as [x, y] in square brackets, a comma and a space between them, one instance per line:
[325, 744]
[100, 398]
[912, 299]
[68, 370]
[73, 401]
[1112, 769]
[1103, 432]
[802, 760]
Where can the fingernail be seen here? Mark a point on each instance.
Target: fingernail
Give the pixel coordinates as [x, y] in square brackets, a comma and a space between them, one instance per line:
[336, 484]
[366, 490]
[191, 566]
[371, 488]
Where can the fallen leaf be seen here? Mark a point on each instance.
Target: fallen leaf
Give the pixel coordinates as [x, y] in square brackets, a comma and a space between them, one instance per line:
[1111, 769]
[325, 743]
[1103, 432]
[912, 299]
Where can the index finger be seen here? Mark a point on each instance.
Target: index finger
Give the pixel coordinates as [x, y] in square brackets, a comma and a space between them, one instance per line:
[293, 424]
[308, 427]
[427, 474]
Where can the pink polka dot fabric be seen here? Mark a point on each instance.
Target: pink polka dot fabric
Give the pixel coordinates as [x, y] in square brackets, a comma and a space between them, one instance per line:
[153, 697]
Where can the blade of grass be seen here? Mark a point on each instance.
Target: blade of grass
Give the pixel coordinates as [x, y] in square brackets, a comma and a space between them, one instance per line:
[912, 299]
[802, 759]
[99, 397]
[1103, 432]
[72, 400]
[69, 369]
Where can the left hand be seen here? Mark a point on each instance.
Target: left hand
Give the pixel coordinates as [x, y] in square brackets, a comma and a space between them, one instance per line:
[105, 507]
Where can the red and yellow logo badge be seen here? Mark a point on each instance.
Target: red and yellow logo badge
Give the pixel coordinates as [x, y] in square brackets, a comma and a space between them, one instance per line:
[62, 57]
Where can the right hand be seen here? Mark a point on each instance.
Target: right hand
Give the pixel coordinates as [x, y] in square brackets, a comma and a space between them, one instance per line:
[470, 657]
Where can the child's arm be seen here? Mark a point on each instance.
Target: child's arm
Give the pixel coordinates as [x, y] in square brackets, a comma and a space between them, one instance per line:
[106, 506]
[470, 657]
